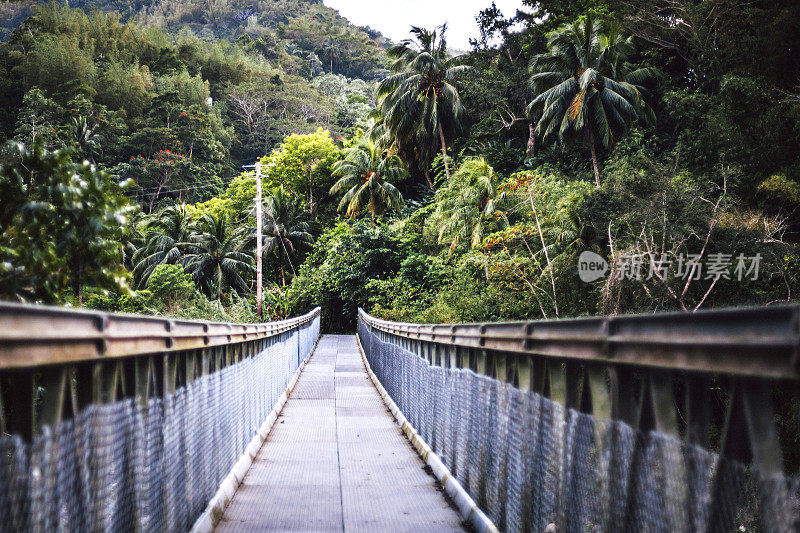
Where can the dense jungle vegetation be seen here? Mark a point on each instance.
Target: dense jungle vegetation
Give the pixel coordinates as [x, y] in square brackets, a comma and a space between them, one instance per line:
[664, 136]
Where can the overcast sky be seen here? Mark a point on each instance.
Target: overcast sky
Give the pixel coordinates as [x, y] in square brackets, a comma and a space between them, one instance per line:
[394, 18]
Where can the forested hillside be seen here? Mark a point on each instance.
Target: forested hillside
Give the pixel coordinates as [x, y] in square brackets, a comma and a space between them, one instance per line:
[662, 137]
[155, 84]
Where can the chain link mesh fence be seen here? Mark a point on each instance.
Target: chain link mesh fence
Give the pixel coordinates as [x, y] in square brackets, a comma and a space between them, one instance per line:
[125, 466]
[529, 463]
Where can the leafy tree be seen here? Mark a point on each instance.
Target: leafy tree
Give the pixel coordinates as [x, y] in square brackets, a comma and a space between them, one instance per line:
[39, 117]
[366, 174]
[286, 229]
[165, 174]
[586, 87]
[216, 258]
[60, 226]
[353, 101]
[337, 273]
[418, 102]
[171, 286]
[304, 163]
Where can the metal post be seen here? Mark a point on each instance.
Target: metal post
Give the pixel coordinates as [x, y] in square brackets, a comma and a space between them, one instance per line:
[259, 237]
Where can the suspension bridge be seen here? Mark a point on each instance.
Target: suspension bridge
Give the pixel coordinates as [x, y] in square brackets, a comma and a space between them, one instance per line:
[665, 422]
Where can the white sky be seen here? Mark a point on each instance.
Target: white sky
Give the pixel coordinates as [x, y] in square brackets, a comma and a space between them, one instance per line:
[394, 18]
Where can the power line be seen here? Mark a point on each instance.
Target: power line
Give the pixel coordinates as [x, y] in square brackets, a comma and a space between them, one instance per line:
[165, 191]
[203, 183]
[206, 183]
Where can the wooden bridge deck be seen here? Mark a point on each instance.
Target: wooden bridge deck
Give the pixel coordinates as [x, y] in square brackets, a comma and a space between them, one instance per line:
[336, 460]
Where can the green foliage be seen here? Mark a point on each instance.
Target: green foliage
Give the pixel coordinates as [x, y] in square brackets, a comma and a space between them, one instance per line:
[135, 303]
[171, 286]
[420, 108]
[304, 163]
[217, 258]
[680, 213]
[286, 233]
[60, 226]
[778, 194]
[39, 117]
[366, 174]
[586, 87]
[353, 101]
[165, 241]
[410, 294]
[467, 206]
[177, 96]
[338, 272]
[156, 88]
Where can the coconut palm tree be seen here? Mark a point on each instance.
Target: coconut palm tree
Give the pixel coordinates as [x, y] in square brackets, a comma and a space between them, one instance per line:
[216, 259]
[366, 173]
[418, 102]
[586, 88]
[166, 239]
[135, 239]
[286, 228]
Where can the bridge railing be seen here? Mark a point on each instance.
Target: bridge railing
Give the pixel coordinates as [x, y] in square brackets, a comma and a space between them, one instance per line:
[668, 422]
[112, 421]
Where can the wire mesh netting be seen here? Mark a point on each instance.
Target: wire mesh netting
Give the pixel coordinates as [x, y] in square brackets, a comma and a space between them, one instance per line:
[530, 463]
[126, 466]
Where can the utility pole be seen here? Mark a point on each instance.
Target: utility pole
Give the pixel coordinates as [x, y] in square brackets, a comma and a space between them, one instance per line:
[259, 237]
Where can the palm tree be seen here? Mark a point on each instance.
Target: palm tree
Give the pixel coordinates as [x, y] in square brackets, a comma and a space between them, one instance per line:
[286, 228]
[86, 138]
[586, 87]
[331, 49]
[418, 104]
[468, 205]
[167, 237]
[216, 260]
[366, 172]
[135, 239]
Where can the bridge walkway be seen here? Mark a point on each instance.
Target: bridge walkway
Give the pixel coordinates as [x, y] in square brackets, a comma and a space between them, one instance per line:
[336, 460]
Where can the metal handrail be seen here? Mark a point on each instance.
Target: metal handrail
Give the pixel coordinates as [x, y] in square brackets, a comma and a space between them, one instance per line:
[758, 342]
[54, 362]
[34, 335]
[721, 379]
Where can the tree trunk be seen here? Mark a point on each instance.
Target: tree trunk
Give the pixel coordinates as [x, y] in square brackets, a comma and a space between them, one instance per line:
[77, 282]
[590, 136]
[371, 201]
[283, 277]
[213, 18]
[444, 151]
[428, 178]
[544, 249]
[310, 193]
[531, 138]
